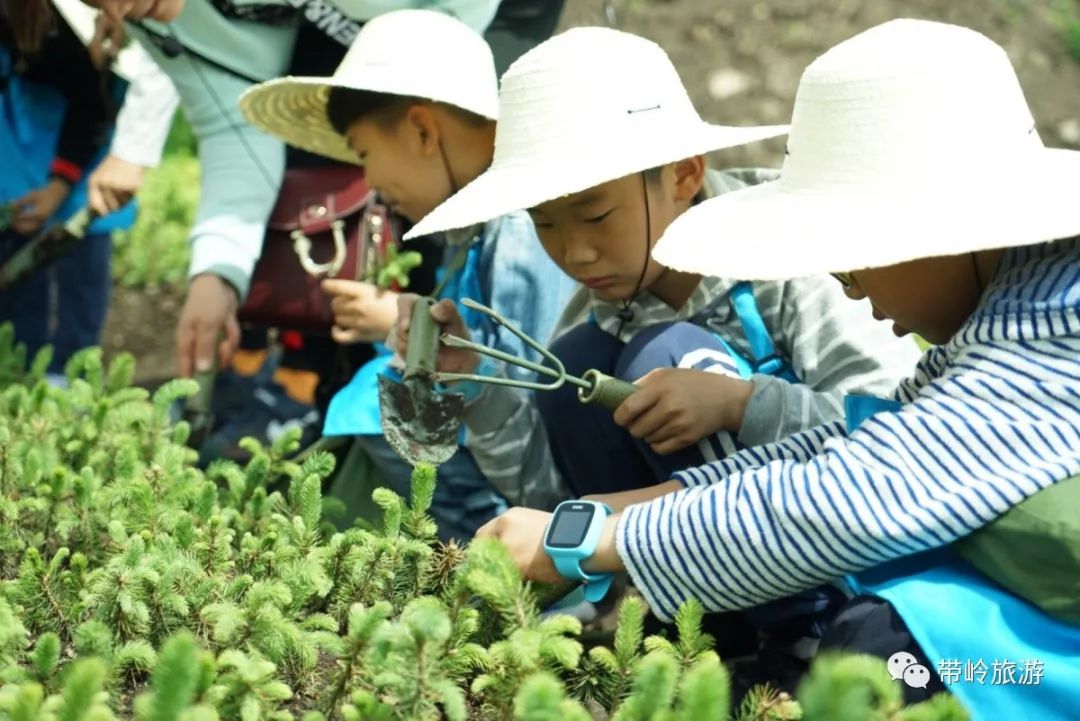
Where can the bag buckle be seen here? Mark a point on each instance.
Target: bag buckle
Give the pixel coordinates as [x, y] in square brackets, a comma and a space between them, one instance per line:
[302, 248]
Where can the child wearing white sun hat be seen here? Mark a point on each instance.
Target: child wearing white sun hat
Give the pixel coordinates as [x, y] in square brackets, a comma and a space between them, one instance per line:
[598, 138]
[422, 124]
[990, 417]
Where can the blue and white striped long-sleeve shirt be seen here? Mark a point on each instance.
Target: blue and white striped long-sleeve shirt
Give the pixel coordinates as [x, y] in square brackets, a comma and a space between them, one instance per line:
[988, 419]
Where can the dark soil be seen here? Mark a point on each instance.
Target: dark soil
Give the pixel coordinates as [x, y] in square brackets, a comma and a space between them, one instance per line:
[143, 323]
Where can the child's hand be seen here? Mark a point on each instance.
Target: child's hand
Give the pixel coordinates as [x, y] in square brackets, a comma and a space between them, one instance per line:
[677, 407]
[362, 311]
[445, 313]
[36, 207]
[522, 531]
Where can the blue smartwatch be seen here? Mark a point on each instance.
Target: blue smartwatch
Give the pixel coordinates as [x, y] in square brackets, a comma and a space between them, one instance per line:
[572, 537]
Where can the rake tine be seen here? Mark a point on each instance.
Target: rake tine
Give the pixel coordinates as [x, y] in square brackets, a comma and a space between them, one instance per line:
[455, 342]
[498, 318]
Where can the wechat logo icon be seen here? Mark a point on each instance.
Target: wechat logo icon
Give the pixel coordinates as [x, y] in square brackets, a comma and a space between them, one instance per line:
[904, 667]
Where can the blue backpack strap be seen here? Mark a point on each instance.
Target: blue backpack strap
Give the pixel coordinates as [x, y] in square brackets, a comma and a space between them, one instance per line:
[765, 358]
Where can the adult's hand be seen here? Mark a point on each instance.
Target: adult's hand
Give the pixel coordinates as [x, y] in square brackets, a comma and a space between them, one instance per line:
[113, 183]
[117, 10]
[209, 314]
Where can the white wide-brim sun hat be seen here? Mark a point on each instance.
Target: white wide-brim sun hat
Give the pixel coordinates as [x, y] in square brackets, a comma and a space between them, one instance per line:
[910, 140]
[414, 53]
[586, 107]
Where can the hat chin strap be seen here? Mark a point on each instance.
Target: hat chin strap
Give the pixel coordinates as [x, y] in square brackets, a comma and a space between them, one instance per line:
[454, 188]
[626, 313]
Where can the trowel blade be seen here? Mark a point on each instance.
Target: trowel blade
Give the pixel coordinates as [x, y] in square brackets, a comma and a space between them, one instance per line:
[420, 424]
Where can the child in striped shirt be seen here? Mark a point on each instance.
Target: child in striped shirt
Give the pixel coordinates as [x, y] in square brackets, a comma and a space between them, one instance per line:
[989, 274]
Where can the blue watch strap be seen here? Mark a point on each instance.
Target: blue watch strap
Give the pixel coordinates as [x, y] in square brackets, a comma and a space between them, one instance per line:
[567, 561]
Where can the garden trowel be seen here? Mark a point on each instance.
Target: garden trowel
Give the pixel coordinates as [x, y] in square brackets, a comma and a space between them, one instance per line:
[47, 246]
[420, 423]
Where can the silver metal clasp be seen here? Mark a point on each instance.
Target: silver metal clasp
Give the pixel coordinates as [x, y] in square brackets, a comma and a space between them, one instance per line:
[302, 248]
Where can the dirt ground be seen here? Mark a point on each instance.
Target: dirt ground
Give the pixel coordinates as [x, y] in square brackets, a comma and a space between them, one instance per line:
[741, 61]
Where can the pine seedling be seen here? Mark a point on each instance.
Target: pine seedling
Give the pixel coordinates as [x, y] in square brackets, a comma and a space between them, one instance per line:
[13, 641]
[174, 682]
[363, 624]
[364, 706]
[396, 268]
[80, 696]
[653, 691]
[766, 703]
[416, 522]
[22, 702]
[45, 658]
[489, 574]
[246, 688]
[549, 645]
[704, 692]
[118, 592]
[46, 594]
[542, 698]
[692, 644]
[605, 674]
[941, 707]
[410, 666]
[849, 688]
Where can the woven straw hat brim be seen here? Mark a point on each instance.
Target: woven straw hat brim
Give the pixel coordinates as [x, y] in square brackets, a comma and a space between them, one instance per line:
[294, 110]
[767, 233]
[527, 180]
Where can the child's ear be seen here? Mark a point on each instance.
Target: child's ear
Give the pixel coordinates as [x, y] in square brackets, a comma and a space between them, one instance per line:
[689, 176]
[422, 128]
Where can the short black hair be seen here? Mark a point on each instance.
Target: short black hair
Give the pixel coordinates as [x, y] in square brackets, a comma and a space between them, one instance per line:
[345, 106]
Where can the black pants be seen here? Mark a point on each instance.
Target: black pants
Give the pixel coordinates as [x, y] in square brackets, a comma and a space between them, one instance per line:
[870, 625]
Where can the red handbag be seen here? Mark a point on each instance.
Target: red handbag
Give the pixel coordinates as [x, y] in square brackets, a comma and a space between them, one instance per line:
[326, 224]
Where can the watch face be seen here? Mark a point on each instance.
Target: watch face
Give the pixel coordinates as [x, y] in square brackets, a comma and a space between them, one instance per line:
[570, 525]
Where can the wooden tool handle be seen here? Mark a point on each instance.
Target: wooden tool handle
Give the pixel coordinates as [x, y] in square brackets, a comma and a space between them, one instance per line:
[605, 391]
[423, 340]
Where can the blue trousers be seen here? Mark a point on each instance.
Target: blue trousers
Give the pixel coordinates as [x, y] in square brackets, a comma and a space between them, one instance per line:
[464, 500]
[594, 455]
[63, 304]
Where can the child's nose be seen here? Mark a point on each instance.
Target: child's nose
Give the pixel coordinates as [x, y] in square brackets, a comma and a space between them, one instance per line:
[579, 253]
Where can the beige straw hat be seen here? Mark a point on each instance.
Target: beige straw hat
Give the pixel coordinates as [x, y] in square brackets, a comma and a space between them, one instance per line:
[586, 107]
[910, 140]
[418, 53]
